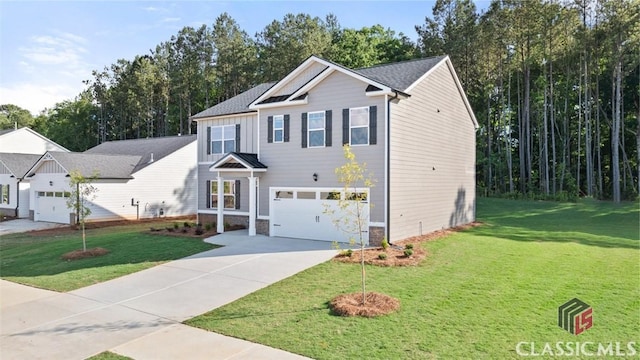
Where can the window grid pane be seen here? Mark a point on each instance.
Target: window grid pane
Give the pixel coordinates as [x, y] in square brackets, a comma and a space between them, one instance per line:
[229, 194]
[223, 139]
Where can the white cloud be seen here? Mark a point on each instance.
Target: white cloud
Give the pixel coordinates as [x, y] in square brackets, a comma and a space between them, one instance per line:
[35, 97]
[171, 19]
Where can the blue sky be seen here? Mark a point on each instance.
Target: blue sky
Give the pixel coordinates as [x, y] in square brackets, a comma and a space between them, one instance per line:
[47, 48]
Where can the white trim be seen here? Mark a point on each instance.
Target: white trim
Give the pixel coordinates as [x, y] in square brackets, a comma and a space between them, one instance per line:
[273, 134]
[361, 126]
[225, 212]
[378, 93]
[219, 117]
[332, 67]
[387, 136]
[263, 217]
[377, 224]
[206, 163]
[223, 139]
[304, 101]
[237, 170]
[308, 86]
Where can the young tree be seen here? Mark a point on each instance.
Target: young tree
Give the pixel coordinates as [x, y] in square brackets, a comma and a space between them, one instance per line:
[82, 191]
[353, 218]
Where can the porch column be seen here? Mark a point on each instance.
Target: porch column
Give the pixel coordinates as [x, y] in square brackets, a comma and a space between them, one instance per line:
[220, 219]
[252, 205]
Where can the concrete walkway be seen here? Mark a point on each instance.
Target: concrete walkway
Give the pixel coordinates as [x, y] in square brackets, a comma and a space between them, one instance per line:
[139, 315]
[24, 225]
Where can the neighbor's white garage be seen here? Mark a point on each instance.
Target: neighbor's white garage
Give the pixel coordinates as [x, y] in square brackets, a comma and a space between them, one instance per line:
[311, 213]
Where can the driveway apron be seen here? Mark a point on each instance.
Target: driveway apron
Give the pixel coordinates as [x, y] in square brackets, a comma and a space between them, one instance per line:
[140, 313]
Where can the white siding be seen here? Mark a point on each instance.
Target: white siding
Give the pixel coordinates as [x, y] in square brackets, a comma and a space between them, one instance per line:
[169, 183]
[432, 160]
[248, 134]
[290, 165]
[25, 141]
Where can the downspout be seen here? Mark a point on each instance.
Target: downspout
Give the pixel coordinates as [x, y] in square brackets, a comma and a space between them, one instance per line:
[388, 155]
[18, 196]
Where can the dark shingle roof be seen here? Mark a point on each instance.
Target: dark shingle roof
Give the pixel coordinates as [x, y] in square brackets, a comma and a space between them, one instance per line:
[6, 131]
[19, 164]
[236, 105]
[400, 75]
[247, 158]
[104, 166]
[251, 159]
[159, 147]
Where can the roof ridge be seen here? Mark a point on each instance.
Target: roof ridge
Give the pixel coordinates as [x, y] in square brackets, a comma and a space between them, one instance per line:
[401, 62]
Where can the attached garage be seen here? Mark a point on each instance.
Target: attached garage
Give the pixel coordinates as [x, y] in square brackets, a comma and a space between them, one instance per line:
[312, 213]
[51, 206]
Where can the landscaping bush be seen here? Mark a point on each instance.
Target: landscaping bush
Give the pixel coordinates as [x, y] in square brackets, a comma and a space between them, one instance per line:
[409, 246]
[385, 243]
[382, 256]
[408, 252]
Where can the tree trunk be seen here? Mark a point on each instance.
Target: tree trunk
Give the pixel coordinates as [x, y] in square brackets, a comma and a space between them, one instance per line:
[615, 133]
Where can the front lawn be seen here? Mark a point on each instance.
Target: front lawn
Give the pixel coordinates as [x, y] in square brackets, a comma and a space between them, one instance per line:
[35, 258]
[477, 294]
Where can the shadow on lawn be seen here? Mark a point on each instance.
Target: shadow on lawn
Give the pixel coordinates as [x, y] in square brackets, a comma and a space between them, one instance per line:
[591, 223]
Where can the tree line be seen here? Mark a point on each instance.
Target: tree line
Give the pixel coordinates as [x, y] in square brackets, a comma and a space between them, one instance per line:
[554, 84]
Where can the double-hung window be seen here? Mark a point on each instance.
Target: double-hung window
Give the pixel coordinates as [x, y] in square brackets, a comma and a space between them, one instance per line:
[359, 126]
[316, 129]
[229, 194]
[4, 194]
[278, 128]
[223, 139]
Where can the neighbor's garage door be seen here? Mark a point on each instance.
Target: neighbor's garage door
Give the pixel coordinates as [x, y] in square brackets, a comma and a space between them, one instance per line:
[52, 207]
[302, 213]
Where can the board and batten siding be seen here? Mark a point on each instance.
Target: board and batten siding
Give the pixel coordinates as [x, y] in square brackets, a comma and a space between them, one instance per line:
[432, 160]
[248, 134]
[291, 165]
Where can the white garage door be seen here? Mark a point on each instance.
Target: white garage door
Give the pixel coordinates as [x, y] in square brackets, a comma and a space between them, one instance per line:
[52, 207]
[305, 213]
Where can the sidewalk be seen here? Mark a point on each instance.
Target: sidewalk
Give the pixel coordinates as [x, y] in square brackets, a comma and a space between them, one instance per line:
[139, 315]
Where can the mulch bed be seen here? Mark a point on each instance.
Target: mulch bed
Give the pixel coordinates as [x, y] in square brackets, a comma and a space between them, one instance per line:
[80, 254]
[395, 253]
[376, 304]
[191, 231]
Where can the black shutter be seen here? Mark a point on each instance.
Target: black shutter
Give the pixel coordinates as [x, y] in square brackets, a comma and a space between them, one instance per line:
[237, 194]
[270, 129]
[208, 140]
[286, 128]
[208, 202]
[327, 128]
[304, 130]
[373, 129]
[345, 126]
[237, 137]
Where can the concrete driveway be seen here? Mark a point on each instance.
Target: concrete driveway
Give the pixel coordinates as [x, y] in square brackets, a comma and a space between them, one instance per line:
[24, 225]
[139, 315]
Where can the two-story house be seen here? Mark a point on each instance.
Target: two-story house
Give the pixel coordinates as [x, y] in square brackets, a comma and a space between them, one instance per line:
[267, 157]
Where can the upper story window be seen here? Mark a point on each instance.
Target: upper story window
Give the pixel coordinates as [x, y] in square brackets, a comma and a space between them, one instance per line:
[223, 139]
[316, 129]
[278, 128]
[359, 126]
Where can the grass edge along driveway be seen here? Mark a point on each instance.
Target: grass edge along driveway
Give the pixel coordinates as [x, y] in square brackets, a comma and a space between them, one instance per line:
[34, 258]
[477, 295]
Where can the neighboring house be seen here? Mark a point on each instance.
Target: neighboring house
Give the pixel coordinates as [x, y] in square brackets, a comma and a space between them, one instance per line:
[26, 141]
[19, 150]
[14, 188]
[269, 154]
[141, 178]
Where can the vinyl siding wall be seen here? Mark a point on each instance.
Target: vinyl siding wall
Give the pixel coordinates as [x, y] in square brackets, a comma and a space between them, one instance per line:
[290, 165]
[169, 183]
[25, 142]
[432, 159]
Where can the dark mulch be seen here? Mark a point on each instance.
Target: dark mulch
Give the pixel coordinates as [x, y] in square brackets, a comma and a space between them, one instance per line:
[375, 304]
[395, 253]
[81, 254]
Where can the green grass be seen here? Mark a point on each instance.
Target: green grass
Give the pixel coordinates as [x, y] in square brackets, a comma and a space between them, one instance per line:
[107, 355]
[35, 260]
[476, 295]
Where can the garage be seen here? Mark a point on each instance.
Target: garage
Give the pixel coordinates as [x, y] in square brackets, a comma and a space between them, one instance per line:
[309, 213]
[51, 206]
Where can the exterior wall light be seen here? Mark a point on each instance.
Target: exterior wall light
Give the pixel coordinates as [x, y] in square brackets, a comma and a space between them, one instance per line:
[315, 176]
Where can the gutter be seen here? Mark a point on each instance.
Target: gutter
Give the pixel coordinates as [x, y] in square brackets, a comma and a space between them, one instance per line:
[17, 197]
[388, 155]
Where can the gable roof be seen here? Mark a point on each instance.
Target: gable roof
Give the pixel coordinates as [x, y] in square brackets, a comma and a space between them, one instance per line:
[8, 132]
[149, 150]
[236, 105]
[236, 160]
[18, 164]
[104, 166]
[400, 75]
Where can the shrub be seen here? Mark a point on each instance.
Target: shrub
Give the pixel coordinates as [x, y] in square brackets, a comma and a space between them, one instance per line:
[208, 226]
[176, 226]
[408, 252]
[346, 253]
[199, 230]
[409, 246]
[385, 243]
[382, 256]
[186, 224]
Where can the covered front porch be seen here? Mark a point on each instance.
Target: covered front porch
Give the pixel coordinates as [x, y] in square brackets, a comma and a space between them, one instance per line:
[232, 166]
